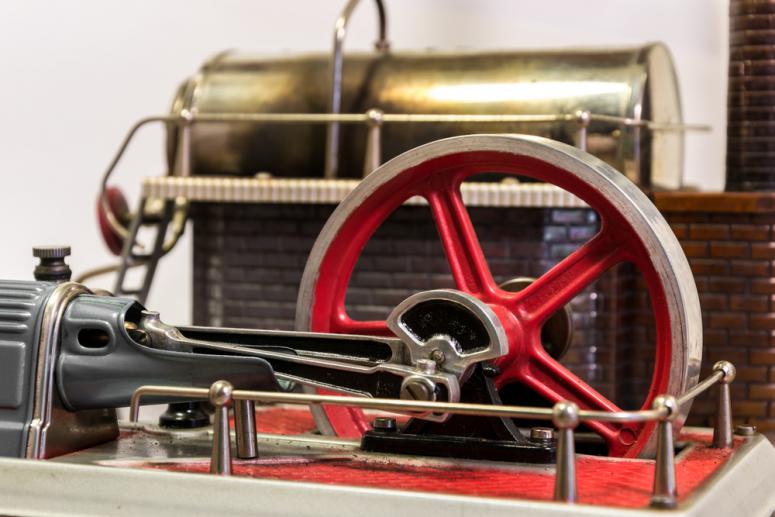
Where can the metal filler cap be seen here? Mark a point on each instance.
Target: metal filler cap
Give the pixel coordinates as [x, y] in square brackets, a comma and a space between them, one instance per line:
[51, 251]
[52, 266]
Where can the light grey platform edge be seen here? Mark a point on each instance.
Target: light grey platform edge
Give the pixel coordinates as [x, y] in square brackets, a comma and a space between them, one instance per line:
[744, 487]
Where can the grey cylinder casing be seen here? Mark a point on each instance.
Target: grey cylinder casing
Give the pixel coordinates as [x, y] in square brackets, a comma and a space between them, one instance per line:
[21, 308]
[106, 376]
[96, 366]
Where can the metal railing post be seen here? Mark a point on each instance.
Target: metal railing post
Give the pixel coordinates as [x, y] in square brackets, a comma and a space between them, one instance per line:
[221, 397]
[665, 492]
[722, 431]
[565, 416]
[583, 119]
[245, 429]
[373, 156]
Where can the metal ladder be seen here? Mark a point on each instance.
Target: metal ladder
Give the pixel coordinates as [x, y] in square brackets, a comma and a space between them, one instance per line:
[132, 254]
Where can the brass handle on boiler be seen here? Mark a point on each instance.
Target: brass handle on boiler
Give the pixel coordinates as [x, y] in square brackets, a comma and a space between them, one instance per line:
[340, 31]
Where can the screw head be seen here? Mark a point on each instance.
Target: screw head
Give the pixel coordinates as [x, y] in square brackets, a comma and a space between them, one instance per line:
[418, 388]
[668, 402]
[385, 425]
[565, 414]
[728, 369]
[438, 356]
[221, 393]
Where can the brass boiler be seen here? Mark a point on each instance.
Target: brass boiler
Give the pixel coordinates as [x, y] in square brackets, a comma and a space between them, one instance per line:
[633, 83]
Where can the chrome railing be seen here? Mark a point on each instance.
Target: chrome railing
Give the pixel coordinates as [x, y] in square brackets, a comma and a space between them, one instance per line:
[565, 415]
[372, 120]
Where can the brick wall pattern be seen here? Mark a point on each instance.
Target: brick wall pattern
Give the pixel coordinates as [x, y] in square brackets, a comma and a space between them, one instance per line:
[732, 257]
[248, 261]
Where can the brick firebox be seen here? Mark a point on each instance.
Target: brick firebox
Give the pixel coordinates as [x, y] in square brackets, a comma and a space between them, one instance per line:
[729, 239]
[248, 260]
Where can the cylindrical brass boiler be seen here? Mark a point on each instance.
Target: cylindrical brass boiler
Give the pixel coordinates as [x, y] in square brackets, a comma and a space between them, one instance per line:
[637, 83]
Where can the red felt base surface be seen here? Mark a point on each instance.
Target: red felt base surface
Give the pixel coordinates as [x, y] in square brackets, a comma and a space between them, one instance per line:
[601, 481]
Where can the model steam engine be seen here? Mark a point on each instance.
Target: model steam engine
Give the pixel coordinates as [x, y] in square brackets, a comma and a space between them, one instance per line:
[497, 294]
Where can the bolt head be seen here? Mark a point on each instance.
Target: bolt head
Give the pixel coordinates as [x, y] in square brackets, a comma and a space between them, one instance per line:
[668, 402]
[728, 369]
[565, 414]
[221, 393]
[745, 430]
[385, 424]
[541, 434]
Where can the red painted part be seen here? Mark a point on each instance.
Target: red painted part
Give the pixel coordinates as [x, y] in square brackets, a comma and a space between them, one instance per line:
[601, 481]
[119, 206]
[522, 314]
[279, 420]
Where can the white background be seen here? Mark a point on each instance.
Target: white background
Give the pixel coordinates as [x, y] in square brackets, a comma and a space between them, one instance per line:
[74, 75]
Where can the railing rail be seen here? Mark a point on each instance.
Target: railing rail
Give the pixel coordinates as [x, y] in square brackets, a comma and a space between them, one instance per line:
[372, 120]
[565, 415]
[453, 408]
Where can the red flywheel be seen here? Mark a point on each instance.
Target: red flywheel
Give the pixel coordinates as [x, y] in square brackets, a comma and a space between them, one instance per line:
[632, 230]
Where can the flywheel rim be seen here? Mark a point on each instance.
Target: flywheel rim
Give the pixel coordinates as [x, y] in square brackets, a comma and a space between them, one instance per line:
[676, 367]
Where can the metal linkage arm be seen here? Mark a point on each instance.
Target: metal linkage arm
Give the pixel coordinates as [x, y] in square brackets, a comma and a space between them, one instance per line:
[372, 367]
[443, 322]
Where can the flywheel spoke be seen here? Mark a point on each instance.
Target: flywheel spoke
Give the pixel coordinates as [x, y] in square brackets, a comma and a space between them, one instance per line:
[556, 288]
[543, 375]
[343, 324]
[461, 245]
